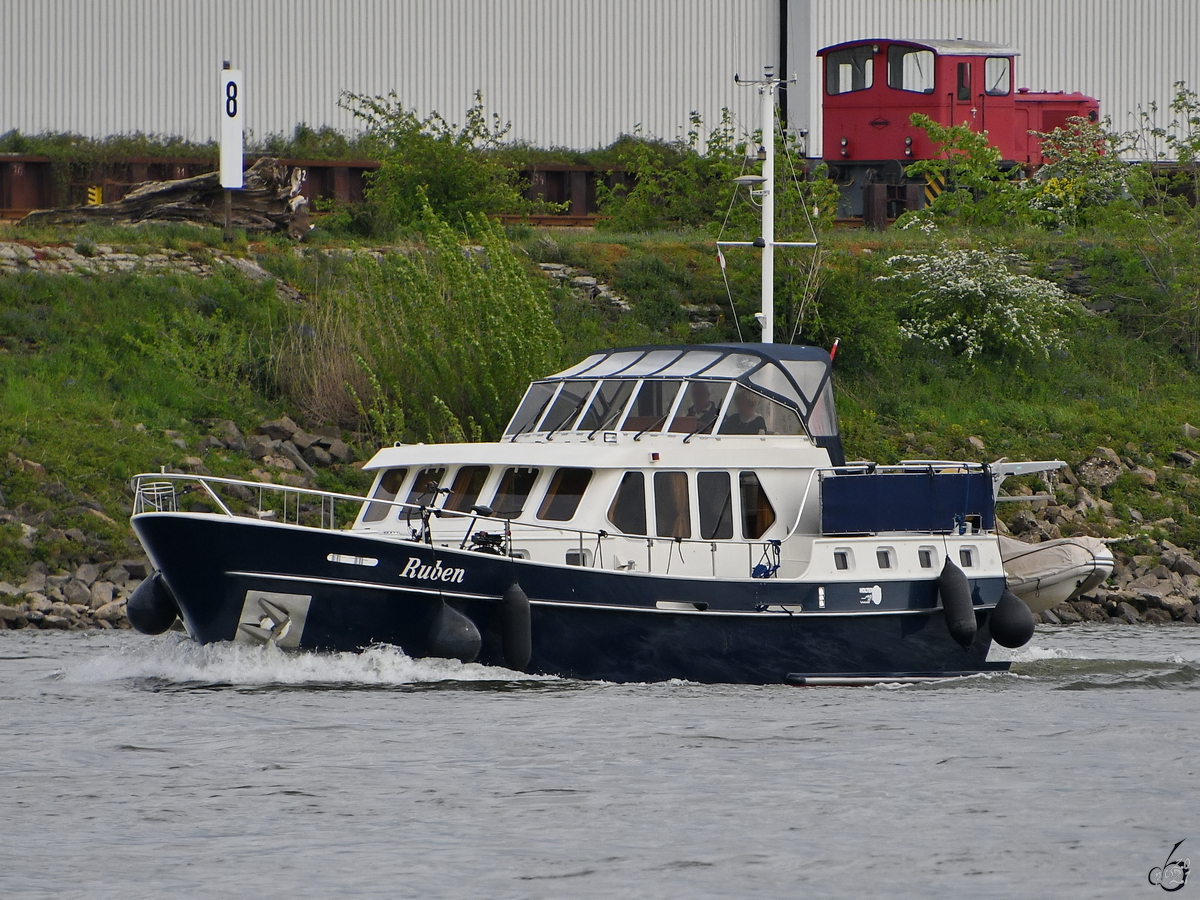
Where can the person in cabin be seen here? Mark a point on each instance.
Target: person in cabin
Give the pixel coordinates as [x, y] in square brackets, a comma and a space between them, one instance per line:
[744, 417]
[703, 409]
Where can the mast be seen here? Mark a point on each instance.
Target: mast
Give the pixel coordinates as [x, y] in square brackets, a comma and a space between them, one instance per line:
[767, 316]
[763, 187]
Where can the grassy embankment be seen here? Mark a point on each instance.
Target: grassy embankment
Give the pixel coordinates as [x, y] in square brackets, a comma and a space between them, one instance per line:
[100, 375]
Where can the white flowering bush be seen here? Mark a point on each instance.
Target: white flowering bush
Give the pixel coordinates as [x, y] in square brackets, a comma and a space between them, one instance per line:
[972, 303]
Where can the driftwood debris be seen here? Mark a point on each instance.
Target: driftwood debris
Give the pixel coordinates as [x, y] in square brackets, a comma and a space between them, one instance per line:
[270, 201]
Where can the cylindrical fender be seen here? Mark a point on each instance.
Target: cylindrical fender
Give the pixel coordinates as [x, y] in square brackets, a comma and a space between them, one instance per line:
[453, 636]
[151, 608]
[515, 628]
[1011, 622]
[955, 592]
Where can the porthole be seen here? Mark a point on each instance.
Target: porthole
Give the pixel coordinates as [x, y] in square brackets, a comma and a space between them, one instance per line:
[883, 558]
[966, 557]
[841, 560]
[925, 556]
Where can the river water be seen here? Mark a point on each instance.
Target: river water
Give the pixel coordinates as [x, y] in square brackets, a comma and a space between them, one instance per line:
[151, 767]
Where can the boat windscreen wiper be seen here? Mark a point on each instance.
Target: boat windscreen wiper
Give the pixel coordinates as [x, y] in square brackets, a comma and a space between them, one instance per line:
[569, 418]
[652, 426]
[701, 423]
[534, 420]
[612, 418]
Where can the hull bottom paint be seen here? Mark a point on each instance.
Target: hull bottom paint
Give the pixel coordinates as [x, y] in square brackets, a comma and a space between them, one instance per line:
[301, 588]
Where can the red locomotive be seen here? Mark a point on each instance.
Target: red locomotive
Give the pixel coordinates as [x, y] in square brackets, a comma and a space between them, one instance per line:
[872, 87]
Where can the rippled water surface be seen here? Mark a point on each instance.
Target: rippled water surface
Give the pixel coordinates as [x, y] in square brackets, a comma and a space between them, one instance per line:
[151, 767]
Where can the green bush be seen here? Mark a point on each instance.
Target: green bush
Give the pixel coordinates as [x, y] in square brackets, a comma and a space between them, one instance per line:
[457, 172]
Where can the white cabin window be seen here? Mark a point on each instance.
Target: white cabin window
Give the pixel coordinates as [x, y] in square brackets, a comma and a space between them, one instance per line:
[757, 512]
[925, 558]
[966, 556]
[388, 488]
[579, 557]
[464, 492]
[425, 485]
[513, 491]
[628, 509]
[841, 560]
[566, 491]
[672, 508]
[715, 496]
[883, 558]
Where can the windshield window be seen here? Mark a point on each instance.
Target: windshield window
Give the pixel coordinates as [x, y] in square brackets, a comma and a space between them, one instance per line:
[701, 405]
[628, 509]
[996, 75]
[910, 69]
[751, 413]
[567, 406]
[512, 492]
[606, 407]
[852, 69]
[389, 487]
[531, 408]
[651, 406]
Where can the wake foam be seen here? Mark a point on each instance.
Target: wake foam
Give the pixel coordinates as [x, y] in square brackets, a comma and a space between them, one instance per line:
[175, 659]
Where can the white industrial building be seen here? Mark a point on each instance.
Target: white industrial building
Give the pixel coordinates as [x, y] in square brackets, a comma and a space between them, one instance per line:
[570, 73]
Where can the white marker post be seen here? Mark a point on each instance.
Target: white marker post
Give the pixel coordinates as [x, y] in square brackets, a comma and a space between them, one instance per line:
[231, 139]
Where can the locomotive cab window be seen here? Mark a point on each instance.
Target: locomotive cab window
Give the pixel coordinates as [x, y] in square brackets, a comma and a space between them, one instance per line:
[910, 69]
[997, 76]
[852, 69]
[964, 81]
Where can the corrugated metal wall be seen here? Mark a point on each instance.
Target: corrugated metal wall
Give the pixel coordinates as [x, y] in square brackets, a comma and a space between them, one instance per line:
[572, 73]
[1125, 53]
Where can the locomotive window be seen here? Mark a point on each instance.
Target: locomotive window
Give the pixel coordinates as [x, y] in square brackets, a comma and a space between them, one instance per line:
[910, 69]
[852, 69]
[997, 75]
[964, 81]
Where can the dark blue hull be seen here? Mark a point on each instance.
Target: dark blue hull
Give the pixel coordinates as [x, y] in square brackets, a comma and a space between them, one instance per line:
[583, 622]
